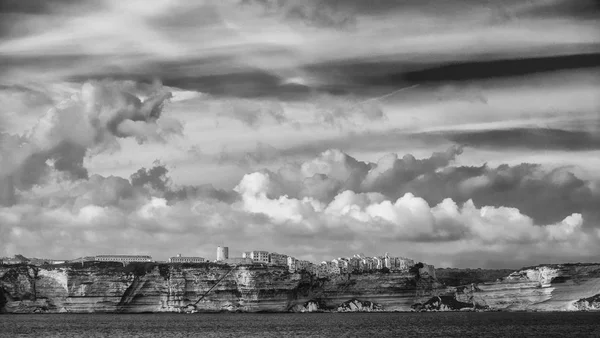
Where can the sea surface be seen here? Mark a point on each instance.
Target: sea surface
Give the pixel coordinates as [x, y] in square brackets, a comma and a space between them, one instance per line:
[440, 324]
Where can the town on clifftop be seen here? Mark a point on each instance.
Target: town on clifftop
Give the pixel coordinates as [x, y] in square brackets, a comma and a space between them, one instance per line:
[358, 263]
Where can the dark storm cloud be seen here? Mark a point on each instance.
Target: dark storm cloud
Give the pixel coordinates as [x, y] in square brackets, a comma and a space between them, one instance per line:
[226, 71]
[367, 78]
[341, 13]
[466, 71]
[34, 6]
[584, 9]
[12, 12]
[527, 138]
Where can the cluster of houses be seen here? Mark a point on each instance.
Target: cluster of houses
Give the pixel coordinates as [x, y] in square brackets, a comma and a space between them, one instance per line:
[356, 264]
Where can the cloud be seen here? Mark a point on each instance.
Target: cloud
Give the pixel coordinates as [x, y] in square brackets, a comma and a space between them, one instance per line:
[150, 209]
[262, 154]
[253, 113]
[545, 195]
[236, 51]
[338, 111]
[90, 121]
[322, 14]
[528, 138]
[408, 218]
[157, 183]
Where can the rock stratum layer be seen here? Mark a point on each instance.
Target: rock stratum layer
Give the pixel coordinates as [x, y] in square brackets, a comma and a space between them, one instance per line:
[136, 288]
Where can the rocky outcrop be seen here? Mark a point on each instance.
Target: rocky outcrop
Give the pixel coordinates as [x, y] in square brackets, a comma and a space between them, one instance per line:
[310, 306]
[588, 304]
[209, 287]
[355, 305]
[444, 303]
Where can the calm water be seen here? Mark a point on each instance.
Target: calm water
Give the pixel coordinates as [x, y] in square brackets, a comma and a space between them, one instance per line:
[490, 324]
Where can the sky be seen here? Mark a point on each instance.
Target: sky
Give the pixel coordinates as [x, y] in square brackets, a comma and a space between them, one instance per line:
[463, 133]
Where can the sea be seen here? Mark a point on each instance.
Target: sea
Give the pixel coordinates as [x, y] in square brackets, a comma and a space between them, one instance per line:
[437, 324]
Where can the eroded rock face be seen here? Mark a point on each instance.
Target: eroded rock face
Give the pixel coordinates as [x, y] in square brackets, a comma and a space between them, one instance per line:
[588, 304]
[112, 287]
[310, 306]
[355, 305]
[543, 288]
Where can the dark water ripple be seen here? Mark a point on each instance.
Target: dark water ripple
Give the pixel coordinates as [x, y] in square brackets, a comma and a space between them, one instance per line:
[487, 324]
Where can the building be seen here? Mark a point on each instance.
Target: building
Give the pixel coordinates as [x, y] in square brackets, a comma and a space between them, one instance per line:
[304, 265]
[17, 259]
[368, 264]
[222, 253]
[389, 262]
[123, 258]
[277, 259]
[333, 268]
[180, 259]
[259, 256]
[322, 269]
[343, 264]
[354, 264]
[247, 254]
[291, 263]
[378, 263]
[299, 265]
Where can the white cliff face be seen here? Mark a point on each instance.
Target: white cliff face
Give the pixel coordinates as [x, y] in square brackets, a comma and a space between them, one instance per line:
[541, 274]
[59, 276]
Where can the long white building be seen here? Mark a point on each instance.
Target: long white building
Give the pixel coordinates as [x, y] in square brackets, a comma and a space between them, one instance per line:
[182, 259]
[124, 258]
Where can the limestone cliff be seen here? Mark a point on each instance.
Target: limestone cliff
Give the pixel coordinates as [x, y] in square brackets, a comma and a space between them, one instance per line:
[556, 287]
[150, 287]
[112, 287]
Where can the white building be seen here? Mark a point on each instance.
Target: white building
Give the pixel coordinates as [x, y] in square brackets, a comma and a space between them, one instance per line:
[180, 259]
[378, 263]
[291, 263]
[123, 258]
[260, 256]
[222, 253]
[343, 264]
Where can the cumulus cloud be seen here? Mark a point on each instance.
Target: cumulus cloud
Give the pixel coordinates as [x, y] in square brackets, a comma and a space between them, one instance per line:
[545, 195]
[90, 121]
[407, 218]
[300, 220]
